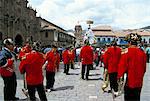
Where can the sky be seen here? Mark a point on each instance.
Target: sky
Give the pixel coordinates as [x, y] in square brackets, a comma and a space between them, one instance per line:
[120, 14]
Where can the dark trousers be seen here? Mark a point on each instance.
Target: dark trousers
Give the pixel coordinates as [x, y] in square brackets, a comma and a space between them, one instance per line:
[50, 79]
[85, 69]
[72, 65]
[40, 90]
[132, 94]
[148, 55]
[66, 68]
[10, 85]
[113, 81]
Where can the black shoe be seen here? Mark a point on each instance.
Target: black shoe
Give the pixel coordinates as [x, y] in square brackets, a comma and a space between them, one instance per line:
[15, 98]
[67, 74]
[52, 89]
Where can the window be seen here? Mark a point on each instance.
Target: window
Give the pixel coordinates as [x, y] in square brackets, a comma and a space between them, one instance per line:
[149, 40]
[98, 39]
[144, 40]
[108, 39]
[121, 40]
[103, 39]
[46, 34]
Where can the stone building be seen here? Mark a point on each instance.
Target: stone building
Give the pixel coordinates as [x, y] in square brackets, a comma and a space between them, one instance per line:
[78, 35]
[18, 21]
[53, 34]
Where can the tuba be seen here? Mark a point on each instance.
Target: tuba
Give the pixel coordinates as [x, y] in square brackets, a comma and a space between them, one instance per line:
[105, 80]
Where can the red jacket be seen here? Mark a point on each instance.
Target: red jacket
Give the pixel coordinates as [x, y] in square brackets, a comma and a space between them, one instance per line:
[65, 56]
[133, 62]
[32, 64]
[24, 50]
[71, 56]
[96, 55]
[8, 70]
[58, 60]
[112, 58]
[52, 59]
[86, 55]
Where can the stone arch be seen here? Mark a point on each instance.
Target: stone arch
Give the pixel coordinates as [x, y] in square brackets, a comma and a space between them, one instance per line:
[18, 40]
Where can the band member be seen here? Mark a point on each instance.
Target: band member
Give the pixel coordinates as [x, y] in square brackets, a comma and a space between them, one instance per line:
[31, 64]
[51, 68]
[7, 59]
[65, 56]
[24, 50]
[105, 72]
[71, 57]
[133, 63]
[111, 61]
[58, 59]
[86, 56]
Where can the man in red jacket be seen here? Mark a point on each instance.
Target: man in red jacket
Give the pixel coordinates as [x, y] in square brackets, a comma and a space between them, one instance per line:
[71, 57]
[86, 56]
[133, 63]
[65, 56]
[51, 67]
[31, 64]
[111, 61]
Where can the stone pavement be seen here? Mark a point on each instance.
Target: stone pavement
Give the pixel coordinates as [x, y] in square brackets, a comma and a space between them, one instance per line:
[72, 88]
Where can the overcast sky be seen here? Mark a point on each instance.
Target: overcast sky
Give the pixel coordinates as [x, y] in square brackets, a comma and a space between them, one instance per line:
[117, 13]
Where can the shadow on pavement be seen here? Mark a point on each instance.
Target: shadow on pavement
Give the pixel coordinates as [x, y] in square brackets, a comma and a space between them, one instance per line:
[76, 68]
[27, 99]
[96, 79]
[94, 74]
[73, 73]
[64, 88]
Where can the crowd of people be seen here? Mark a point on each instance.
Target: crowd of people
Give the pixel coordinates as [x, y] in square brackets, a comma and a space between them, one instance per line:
[117, 62]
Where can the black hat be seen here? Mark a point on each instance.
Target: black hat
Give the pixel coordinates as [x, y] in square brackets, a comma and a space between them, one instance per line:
[36, 46]
[114, 42]
[54, 46]
[133, 38]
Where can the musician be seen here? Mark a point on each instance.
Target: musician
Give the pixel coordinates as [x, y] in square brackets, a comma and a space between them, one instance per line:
[7, 59]
[65, 56]
[31, 64]
[111, 61]
[86, 56]
[51, 67]
[133, 63]
[71, 57]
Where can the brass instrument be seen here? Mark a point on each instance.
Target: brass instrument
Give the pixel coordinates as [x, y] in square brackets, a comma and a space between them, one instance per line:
[121, 84]
[105, 80]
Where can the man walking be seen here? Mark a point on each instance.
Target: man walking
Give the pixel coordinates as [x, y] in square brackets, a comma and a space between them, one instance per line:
[86, 56]
[111, 61]
[133, 63]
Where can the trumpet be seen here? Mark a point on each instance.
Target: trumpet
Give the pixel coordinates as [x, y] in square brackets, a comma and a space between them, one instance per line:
[105, 80]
